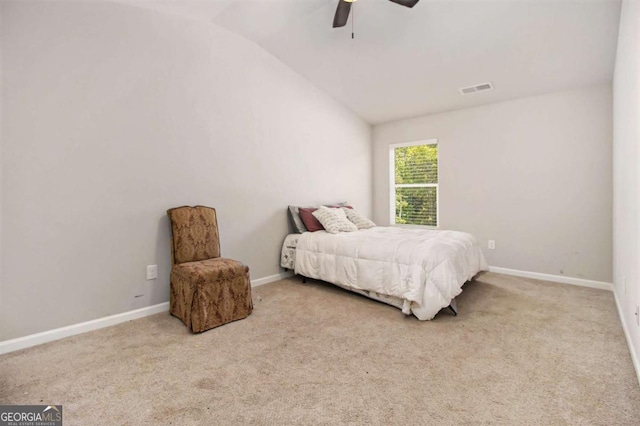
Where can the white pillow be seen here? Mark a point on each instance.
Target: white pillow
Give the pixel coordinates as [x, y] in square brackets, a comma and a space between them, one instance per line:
[334, 220]
[360, 221]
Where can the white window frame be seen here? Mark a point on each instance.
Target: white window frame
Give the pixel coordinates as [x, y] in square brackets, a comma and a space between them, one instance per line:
[393, 186]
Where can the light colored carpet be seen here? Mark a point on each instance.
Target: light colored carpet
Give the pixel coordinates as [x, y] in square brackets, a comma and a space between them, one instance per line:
[520, 352]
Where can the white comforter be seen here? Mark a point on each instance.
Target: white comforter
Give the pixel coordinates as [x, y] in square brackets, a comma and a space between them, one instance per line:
[426, 268]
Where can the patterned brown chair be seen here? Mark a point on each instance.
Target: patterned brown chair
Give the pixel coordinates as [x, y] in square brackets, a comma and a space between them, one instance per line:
[206, 290]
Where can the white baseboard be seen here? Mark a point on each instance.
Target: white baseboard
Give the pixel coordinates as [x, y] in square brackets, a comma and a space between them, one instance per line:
[71, 330]
[555, 278]
[83, 327]
[634, 356]
[271, 278]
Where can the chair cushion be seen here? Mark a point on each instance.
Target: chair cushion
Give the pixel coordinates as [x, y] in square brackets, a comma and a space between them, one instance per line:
[210, 293]
[209, 270]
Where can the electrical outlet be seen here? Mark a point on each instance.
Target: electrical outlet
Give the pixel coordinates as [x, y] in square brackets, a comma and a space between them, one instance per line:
[492, 245]
[152, 272]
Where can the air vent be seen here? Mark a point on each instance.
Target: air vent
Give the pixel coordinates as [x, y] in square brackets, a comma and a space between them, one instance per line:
[477, 88]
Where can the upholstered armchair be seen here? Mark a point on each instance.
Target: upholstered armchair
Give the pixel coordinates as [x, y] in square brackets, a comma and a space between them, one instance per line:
[206, 290]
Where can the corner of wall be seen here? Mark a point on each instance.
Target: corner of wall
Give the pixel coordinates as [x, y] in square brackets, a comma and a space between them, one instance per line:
[626, 179]
[2, 322]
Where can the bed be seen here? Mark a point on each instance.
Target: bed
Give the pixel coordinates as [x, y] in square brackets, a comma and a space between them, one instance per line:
[416, 270]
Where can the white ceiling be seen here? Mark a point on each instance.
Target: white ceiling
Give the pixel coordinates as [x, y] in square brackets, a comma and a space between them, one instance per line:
[410, 62]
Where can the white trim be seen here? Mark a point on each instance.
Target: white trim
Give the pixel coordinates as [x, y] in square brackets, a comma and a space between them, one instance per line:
[416, 185]
[392, 186]
[271, 278]
[411, 225]
[627, 335]
[433, 141]
[555, 278]
[71, 330]
[83, 327]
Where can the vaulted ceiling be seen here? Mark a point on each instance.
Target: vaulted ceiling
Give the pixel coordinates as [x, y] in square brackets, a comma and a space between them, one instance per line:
[409, 62]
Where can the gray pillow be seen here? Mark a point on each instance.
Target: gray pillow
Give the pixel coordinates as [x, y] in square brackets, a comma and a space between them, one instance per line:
[294, 215]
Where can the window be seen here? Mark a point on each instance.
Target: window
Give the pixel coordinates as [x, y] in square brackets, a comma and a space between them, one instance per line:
[414, 183]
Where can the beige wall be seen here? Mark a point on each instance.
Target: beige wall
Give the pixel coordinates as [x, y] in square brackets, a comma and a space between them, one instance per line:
[1, 162]
[532, 174]
[112, 114]
[626, 156]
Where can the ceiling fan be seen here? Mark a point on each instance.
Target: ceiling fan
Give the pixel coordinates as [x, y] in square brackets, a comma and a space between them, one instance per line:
[344, 7]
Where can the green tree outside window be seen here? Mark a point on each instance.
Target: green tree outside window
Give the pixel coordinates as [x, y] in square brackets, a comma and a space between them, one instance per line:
[416, 184]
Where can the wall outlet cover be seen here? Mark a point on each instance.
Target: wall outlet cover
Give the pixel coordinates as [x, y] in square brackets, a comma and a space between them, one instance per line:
[152, 272]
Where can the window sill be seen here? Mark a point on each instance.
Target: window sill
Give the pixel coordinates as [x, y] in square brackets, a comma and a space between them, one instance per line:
[405, 225]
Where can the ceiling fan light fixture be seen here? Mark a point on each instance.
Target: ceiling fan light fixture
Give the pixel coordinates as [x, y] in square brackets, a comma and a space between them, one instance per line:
[344, 7]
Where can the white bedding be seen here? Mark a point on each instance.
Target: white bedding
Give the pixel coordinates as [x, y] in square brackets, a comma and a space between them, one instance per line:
[423, 267]
[288, 253]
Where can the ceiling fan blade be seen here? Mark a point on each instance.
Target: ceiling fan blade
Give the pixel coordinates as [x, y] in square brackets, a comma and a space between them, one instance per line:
[342, 14]
[407, 3]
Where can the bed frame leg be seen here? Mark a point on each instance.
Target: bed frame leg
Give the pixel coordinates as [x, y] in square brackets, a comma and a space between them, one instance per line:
[304, 280]
[454, 307]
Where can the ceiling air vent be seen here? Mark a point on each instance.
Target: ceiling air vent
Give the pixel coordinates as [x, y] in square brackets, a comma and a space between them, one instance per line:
[477, 88]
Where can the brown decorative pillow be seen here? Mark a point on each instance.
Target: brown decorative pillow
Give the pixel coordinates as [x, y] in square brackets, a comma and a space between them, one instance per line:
[294, 217]
[311, 223]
